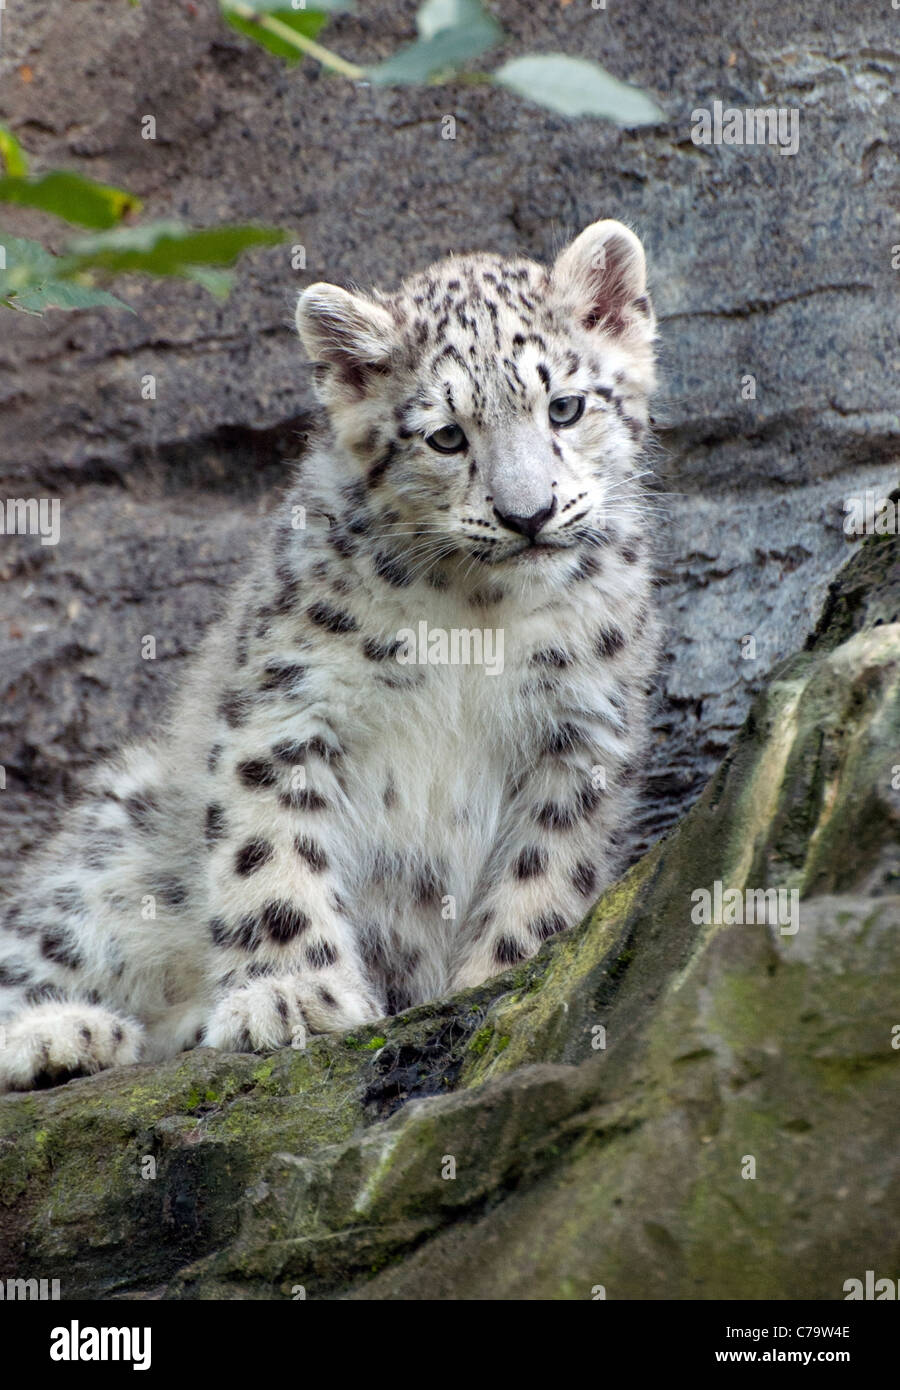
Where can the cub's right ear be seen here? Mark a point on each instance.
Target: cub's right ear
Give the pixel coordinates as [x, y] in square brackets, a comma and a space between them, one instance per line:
[345, 331]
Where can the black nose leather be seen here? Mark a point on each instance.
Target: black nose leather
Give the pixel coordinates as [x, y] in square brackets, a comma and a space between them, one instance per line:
[526, 525]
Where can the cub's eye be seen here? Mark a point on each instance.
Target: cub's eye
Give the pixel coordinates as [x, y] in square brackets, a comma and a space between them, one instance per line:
[449, 439]
[565, 410]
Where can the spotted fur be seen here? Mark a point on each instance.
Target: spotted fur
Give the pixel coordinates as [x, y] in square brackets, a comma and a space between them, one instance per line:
[326, 832]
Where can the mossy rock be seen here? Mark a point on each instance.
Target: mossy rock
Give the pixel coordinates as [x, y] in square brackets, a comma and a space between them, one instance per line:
[659, 1105]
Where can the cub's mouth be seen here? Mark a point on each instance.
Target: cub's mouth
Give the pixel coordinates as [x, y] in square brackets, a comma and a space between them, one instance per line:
[534, 551]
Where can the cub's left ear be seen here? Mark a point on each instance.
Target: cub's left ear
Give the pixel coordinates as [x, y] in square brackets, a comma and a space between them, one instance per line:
[602, 275]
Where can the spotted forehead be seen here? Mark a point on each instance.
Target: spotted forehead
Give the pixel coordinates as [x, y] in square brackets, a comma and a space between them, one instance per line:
[462, 298]
[482, 331]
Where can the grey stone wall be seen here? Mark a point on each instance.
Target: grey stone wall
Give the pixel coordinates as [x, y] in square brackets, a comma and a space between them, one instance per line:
[763, 264]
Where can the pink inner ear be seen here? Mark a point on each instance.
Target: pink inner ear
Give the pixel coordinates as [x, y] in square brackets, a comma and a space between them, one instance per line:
[606, 317]
[612, 289]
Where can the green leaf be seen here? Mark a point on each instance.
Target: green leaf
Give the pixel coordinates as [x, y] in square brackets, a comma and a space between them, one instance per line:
[165, 248]
[30, 281]
[70, 196]
[33, 279]
[23, 263]
[64, 294]
[215, 282]
[304, 21]
[436, 15]
[12, 154]
[451, 32]
[576, 87]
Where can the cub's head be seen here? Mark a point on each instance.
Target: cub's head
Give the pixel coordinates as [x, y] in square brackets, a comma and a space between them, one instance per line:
[491, 410]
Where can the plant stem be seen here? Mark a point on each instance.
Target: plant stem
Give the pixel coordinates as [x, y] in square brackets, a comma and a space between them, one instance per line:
[333, 61]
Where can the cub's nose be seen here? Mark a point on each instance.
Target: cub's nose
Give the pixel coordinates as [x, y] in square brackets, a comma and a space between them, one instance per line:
[526, 525]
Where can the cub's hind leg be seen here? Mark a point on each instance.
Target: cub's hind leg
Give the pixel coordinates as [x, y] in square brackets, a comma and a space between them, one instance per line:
[96, 942]
[52, 1025]
[65, 1006]
[50, 1042]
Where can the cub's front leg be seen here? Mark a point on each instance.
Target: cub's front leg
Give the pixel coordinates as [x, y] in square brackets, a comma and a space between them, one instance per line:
[556, 854]
[283, 958]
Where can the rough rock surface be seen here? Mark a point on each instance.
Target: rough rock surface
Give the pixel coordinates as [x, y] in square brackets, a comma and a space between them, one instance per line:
[775, 266]
[588, 1119]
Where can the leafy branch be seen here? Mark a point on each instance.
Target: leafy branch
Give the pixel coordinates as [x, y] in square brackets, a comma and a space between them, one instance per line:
[289, 32]
[32, 279]
[451, 33]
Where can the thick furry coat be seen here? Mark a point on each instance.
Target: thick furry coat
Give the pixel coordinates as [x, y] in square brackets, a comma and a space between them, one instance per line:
[403, 759]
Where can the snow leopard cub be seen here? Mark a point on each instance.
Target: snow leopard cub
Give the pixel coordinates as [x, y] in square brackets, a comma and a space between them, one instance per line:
[345, 815]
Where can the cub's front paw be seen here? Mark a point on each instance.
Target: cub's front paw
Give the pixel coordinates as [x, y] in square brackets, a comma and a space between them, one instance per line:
[50, 1043]
[282, 1010]
[257, 1017]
